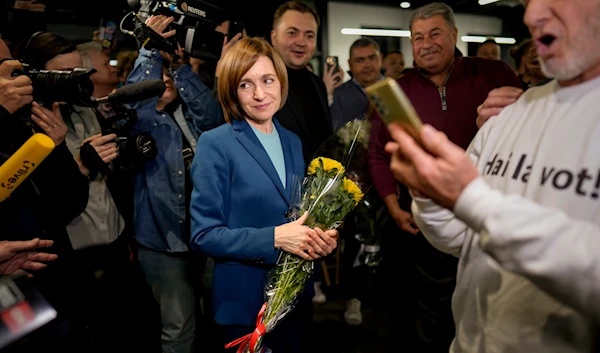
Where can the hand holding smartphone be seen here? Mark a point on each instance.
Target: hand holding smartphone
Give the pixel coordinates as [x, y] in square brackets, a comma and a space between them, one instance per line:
[393, 105]
[235, 27]
[332, 61]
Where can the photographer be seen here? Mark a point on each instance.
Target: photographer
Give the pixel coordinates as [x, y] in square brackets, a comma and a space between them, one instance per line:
[43, 204]
[15, 92]
[112, 284]
[163, 187]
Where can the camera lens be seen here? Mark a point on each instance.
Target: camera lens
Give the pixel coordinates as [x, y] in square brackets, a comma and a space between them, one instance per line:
[72, 86]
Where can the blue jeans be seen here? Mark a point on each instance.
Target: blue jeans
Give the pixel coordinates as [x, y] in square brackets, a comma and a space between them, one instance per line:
[173, 279]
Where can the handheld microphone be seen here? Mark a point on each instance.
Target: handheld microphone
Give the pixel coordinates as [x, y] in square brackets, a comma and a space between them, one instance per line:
[23, 162]
[135, 92]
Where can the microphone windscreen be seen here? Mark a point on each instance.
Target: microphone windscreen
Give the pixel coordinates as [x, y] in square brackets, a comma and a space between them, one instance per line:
[137, 92]
[23, 162]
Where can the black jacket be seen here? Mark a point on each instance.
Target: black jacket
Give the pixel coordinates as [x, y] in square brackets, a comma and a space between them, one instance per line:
[291, 116]
[54, 194]
[42, 206]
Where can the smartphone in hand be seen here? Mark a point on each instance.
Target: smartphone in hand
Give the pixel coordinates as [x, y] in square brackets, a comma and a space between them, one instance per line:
[332, 61]
[393, 105]
[235, 27]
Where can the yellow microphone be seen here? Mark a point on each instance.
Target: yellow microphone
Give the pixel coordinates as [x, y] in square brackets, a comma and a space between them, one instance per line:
[23, 162]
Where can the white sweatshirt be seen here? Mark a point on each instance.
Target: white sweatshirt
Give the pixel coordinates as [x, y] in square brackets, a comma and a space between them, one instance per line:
[527, 231]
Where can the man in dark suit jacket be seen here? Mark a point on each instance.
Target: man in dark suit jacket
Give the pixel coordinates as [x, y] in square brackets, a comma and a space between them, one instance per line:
[306, 112]
[350, 100]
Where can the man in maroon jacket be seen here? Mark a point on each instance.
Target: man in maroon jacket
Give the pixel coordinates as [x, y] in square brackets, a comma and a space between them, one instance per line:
[446, 89]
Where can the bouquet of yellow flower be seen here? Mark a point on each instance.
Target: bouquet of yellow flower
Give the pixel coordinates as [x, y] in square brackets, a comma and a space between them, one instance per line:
[334, 184]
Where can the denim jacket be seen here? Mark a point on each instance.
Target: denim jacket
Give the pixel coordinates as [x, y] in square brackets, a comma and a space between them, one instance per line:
[160, 207]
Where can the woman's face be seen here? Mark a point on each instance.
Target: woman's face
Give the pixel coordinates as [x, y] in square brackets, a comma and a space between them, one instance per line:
[259, 91]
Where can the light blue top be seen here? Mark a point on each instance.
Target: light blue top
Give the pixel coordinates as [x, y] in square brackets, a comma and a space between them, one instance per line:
[272, 144]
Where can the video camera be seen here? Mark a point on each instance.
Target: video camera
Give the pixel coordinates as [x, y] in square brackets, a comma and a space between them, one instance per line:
[195, 23]
[71, 86]
[132, 151]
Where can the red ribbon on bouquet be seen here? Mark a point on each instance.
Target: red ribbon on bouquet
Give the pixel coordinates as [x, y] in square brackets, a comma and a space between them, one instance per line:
[253, 337]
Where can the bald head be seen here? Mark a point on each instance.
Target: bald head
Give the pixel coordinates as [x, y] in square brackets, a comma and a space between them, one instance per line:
[4, 52]
[489, 50]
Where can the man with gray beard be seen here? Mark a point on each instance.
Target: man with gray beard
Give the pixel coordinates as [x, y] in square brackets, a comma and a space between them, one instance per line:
[446, 89]
[520, 210]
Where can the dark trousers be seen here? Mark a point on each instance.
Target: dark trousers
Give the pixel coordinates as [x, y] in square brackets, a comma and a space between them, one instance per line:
[352, 278]
[292, 334]
[435, 282]
[119, 309]
[176, 282]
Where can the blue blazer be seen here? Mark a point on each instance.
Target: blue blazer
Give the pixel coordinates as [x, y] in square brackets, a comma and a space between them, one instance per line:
[237, 201]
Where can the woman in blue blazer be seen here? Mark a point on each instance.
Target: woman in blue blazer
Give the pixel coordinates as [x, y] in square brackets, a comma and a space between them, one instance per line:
[242, 174]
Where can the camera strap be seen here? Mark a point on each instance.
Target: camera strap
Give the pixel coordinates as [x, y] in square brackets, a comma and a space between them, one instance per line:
[189, 141]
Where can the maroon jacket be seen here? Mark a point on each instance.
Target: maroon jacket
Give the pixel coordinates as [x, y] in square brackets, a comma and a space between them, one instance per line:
[454, 113]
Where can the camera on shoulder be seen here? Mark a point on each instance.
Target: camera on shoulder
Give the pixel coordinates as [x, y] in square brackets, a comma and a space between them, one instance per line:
[194, 25]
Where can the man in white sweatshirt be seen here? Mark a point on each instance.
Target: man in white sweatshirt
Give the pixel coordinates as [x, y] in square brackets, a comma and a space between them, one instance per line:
[521, 209]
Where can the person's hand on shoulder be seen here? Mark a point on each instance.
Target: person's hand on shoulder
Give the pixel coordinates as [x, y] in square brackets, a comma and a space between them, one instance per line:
[495, 102]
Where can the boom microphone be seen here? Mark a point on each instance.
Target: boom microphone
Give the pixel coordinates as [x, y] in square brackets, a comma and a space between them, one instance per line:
[135, 92]
[23, 162]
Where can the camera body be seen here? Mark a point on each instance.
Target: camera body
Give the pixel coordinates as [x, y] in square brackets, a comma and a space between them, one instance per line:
[194, 22]
[71, 86]
[132, 151]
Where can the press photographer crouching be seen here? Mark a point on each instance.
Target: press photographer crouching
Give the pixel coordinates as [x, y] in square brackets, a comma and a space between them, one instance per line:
[42, 205]
[163, 187]
[113, 287]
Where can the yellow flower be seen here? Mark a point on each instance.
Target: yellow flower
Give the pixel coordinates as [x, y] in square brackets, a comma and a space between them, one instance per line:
[328, 165]
[353, 189]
